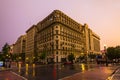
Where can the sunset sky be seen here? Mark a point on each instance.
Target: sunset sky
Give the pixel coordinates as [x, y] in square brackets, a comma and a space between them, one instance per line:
[102, 16]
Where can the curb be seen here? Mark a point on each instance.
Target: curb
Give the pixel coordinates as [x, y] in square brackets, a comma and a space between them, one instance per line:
[19, 75]
[113, 74]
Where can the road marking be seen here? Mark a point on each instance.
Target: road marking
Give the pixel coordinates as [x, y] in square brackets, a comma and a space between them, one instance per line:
[19, 75]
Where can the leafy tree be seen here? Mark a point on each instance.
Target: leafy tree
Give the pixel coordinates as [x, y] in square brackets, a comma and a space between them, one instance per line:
[111, 53]
[22, 55]
[71, 57]
[82, 57]
[43, 56]
[117, 52]
[92, 56]
[1, 57]
[6, 49]
[14, 57]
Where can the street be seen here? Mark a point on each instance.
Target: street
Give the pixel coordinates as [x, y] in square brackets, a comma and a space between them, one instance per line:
[78, 71]
[51, 71]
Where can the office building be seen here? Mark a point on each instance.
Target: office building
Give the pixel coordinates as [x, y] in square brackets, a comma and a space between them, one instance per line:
[58, 36]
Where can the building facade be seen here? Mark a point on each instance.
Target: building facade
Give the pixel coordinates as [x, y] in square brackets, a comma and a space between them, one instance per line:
[30, 43]
[92, 40]
[11, 49]
[20, 45]
[57, 36]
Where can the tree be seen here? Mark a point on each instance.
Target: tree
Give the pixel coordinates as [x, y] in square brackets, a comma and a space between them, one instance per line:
[22, 56]
[5, 50]
[82, 57]
[92, 56]
[117, 52]
[71, 57]
[1, 57]
[43, 56]
[111, 53]
[14, 57]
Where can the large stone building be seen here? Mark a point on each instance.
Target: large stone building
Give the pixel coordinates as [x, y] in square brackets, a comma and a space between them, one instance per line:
[30, 43]
[92, 40]
[20, 45]
[58, 36]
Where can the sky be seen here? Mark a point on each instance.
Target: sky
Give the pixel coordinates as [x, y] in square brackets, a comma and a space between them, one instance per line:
[102, 16]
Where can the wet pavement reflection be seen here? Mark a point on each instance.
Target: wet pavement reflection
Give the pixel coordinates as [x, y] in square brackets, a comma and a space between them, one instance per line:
[50, 71]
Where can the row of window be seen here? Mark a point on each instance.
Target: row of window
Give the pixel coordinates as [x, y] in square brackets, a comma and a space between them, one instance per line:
[65, 19]
[56, 45]
[96, 44]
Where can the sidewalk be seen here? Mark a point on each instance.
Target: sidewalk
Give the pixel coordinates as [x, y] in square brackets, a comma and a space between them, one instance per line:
[7, 74]
[98, 73]
[115, 75]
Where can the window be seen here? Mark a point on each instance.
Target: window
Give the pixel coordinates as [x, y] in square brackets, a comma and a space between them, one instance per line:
[57, 47]
[56, 31]
[65, 43]
[51, 19]
[56, 42]
[57, 52]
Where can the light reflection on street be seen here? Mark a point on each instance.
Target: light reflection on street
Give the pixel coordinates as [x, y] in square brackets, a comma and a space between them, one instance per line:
[33, 65]
[83, 67]
[52, 71]
[19, 67]
[26, 69]
[33, 73]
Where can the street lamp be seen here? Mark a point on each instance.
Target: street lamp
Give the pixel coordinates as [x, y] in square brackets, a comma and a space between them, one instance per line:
[19, 58]
[105, 46]
[106, 58]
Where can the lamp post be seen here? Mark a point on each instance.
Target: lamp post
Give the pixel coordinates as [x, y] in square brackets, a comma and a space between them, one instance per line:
[106, 58]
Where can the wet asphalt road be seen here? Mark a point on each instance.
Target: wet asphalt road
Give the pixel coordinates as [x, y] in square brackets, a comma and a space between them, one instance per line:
[51, 71]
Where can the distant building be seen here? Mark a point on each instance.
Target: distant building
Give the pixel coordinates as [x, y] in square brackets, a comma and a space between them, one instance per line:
[58, 36]
[20, 45]
[92, 40]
